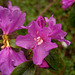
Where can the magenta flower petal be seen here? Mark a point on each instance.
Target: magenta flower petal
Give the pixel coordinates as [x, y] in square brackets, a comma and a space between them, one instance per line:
[26, 41]
[66, 41]
[9, 59]
[67, 3]
[60, 36]
[51, 19]
[12, 8]
[17, 22]
[41, 22]
[33, 28]
[44, 64]
[39, 54]
[11, 19]
[48, 45]
[4, 18]
[18, 57]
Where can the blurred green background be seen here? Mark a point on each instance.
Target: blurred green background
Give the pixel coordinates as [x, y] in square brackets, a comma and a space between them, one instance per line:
[33, 8]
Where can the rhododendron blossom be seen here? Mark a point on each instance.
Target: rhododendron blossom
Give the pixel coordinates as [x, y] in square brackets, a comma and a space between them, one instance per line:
[11, 19]
[67, 3]
[9, 59]
[37, 39]
[55, 30]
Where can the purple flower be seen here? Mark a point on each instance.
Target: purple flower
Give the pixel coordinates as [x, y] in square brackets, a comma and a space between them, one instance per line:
[67, 3]
[44, 64]
[11, 19]
[55, 30]
[9, 59]
[37, 39]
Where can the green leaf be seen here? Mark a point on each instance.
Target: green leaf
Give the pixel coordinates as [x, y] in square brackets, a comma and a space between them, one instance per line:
[55, 62]
[22, 31]
[12, 44]
[26, 68]
[72, 17]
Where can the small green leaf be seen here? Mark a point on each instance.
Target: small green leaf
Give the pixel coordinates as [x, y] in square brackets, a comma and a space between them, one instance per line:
[26, 68]
[12, 44]
[55, 62]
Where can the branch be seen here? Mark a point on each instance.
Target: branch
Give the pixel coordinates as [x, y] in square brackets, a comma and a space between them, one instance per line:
[46, 9]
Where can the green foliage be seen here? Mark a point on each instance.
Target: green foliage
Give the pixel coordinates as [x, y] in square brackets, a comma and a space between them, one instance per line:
[72, 17]
[46, 72]
[26, 68]
[22, 31]
[69, 37]
[55, 62]
[12, 44]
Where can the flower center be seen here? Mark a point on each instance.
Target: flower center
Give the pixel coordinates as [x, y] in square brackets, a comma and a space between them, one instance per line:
[5, 41]
[38, 40]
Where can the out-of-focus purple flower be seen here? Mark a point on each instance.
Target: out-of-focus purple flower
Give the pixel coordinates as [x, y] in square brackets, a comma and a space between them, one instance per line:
[44, 64]
[67, 3]
[11, 19]
[55, 30]
[37, 39]
[9, 59]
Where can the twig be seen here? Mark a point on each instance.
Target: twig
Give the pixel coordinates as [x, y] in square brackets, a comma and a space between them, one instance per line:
[29, 53]
[46, 9]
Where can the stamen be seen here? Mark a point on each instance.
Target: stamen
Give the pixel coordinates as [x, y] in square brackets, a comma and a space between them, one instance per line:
[38, 40]
[5, 41]
[41, 41]
[8, 44]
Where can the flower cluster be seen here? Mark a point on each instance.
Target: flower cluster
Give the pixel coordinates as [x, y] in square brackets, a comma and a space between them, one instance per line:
[67, 3]
[11, 19]
[38, 39]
